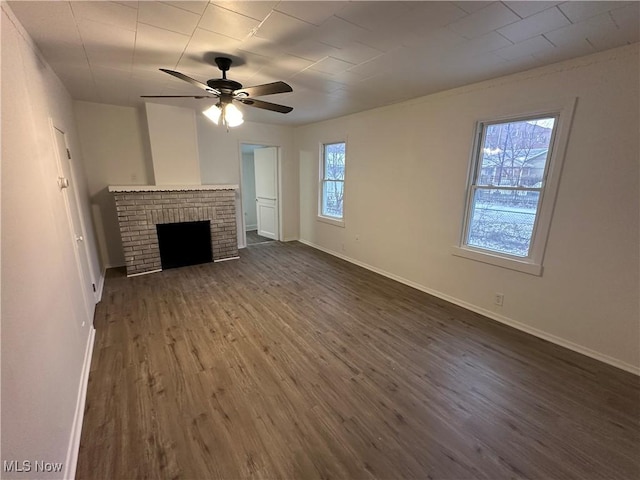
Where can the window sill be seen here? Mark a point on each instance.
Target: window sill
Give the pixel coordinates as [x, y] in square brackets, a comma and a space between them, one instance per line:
[331, 221]
[512, 264]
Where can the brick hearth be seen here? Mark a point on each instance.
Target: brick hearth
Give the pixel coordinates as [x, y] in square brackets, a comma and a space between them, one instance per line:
[141, 208]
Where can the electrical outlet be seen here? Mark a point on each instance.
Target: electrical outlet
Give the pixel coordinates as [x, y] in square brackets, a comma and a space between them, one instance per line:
[498, 299]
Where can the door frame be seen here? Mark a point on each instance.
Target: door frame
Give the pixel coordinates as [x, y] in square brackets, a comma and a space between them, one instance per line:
[243, 236]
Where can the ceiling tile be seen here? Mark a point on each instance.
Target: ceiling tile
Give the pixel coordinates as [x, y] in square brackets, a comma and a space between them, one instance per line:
[572, 49]
[129, 4]
[528, 8]
[578, 11]
[372, 15]
[543, 22]
[486, 43]
[438, 40]
[194, 7]
[525, 48]
[226, 22]
[472, 6]
[109, 13]
[428, 15]
[577, 32]
[376, 65]
[282, 28]
[330, 65]
[626, 19]
[107, 45]
[357, 52]
[311, 12]
[48, 22]
[204, 41]
[318, 81]
[261, 46]
[254, 9]
[168, 17]
[158, 48]
[485, 20]
[338, 32]
[285, 66]
[310, 50]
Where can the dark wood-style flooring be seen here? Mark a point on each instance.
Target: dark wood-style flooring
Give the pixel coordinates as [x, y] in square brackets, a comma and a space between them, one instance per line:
[289, 363]
[253, 238]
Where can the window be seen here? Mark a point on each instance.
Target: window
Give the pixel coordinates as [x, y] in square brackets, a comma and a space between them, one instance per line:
[332, 180]
[513, 181]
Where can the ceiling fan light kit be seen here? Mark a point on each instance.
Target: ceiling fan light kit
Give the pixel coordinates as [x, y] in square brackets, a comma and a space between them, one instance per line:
[225, 112]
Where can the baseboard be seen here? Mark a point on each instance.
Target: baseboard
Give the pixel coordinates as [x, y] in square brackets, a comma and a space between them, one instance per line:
[488, 313]
[100, 286]
[225, 259]
[76, 429]
[249, 228]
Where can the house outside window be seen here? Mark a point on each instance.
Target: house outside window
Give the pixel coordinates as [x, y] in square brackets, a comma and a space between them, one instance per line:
[332, 181]
[513, 181]
[509, 176]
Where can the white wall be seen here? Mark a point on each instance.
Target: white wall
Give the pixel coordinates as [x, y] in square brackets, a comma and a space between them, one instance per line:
[115, 149]
[248, 190]
[405, 189]
[174, 147]
[220, 163]
[43, 339]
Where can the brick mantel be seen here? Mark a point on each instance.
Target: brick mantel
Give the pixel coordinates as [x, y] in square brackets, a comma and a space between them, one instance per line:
[141, 207]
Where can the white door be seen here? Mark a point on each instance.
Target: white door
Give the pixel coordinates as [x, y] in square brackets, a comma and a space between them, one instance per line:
[266, 169]
[66, 182]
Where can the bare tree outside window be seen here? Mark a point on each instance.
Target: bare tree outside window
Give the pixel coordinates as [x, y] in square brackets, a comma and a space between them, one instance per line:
[505, 194]
[333, 168]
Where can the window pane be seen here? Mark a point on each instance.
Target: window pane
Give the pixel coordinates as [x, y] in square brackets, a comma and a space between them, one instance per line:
[334, 161]
[503, 220]
[515, 153]
[332, 193]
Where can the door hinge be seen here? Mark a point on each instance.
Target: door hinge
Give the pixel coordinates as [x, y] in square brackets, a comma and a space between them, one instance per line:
[94, 287]
[68, 154]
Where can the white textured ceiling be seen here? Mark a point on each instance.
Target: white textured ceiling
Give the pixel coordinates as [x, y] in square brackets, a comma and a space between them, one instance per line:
[339, 57]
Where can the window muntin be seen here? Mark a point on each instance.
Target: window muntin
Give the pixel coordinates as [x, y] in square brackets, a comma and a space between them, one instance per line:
[508, 183]
[333, 174]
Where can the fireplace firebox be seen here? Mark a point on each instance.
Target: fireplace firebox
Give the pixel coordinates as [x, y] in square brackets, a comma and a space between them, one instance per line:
[184, 243]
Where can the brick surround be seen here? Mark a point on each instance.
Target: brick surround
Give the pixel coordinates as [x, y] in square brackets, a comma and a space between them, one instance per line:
[140, 210]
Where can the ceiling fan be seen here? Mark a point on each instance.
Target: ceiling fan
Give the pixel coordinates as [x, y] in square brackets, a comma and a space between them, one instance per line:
[227, 91]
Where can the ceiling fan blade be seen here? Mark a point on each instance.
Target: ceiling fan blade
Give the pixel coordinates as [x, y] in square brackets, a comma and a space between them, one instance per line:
[177, 96]
[265, 105]
[266, 89]
[193, 82]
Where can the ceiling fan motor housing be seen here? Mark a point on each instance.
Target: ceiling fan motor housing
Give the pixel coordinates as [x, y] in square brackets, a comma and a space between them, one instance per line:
[224, 85]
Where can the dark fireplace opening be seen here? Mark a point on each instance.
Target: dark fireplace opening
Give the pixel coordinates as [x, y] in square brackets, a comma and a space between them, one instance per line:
[185, 243]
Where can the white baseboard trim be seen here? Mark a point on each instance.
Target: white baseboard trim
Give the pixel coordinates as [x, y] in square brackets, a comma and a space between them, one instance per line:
[144, 273]
[76, 429]
[225, 259]
[487, 313]
[249, 228]
[100, 287]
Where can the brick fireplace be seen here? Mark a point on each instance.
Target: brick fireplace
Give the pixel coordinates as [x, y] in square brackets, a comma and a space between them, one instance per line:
[141, 207]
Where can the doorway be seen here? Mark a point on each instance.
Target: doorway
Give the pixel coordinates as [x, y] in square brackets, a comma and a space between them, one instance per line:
[260, 193]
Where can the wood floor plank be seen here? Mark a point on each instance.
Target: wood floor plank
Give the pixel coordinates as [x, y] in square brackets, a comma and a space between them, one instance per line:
[291, 364]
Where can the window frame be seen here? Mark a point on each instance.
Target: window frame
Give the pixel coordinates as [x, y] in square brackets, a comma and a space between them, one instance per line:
[533, 263]
[337, 221]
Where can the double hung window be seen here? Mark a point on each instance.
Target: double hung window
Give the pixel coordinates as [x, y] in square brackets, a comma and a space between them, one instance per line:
[513, 180]
[332, 180]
